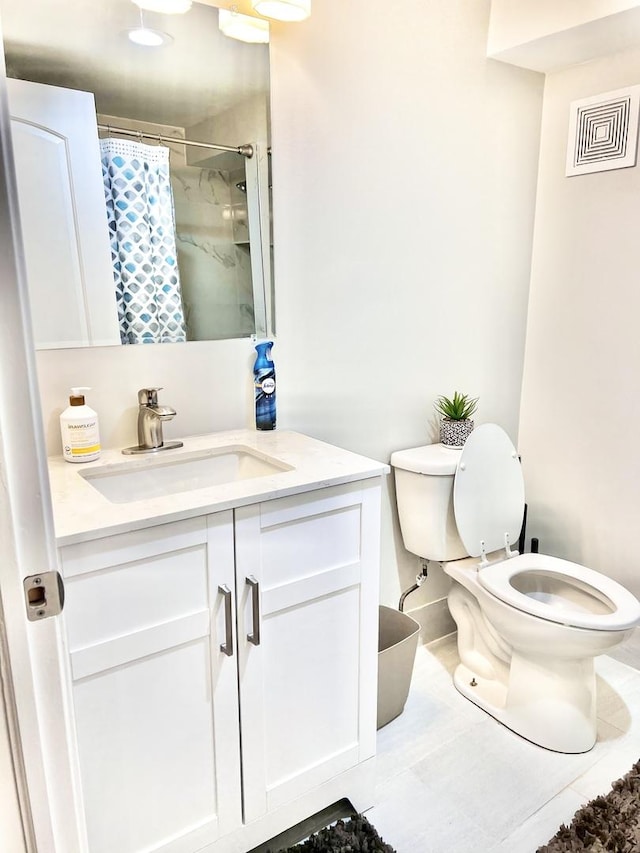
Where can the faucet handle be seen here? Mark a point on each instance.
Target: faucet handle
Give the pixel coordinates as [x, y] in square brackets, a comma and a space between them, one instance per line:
[148, 396]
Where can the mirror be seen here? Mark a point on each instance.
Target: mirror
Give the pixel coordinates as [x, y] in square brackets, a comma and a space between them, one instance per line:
[201, 86]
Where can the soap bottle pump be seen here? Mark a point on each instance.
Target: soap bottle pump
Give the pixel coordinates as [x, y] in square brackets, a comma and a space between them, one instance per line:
[79, 429]
[264, 372]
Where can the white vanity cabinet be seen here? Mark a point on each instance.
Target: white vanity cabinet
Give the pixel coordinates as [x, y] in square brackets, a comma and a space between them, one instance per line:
[154, 700]
[223, 670]
[308, 690]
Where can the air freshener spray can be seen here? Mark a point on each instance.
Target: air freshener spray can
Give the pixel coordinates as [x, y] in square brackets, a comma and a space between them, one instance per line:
[264, 372]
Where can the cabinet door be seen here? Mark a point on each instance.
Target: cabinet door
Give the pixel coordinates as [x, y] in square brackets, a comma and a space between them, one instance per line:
[154, 696]
[308, 658]
[63, 216]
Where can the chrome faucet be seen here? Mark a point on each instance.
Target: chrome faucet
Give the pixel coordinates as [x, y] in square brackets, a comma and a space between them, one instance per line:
[150, 419]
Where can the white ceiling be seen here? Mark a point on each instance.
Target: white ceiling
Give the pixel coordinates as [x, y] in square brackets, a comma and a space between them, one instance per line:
[81, 44]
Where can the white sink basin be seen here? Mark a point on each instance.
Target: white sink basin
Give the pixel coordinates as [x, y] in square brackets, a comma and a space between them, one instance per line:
[144, 479]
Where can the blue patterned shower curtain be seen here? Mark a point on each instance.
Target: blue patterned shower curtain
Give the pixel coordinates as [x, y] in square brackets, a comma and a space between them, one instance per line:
[143, 241]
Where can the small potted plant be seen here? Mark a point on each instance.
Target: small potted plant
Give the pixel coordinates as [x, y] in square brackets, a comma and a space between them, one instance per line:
[456, 424]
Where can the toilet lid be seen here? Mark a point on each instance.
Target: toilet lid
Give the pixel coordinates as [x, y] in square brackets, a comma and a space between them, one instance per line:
[488, 491]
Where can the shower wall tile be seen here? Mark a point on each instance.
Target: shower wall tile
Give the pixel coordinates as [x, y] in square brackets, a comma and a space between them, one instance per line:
[239, 207]
[207, 191]
[217, 301]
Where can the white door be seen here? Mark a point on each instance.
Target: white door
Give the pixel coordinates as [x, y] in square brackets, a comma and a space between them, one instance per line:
[306, 570]
[45, 767]
[63, 214]
[12, 836]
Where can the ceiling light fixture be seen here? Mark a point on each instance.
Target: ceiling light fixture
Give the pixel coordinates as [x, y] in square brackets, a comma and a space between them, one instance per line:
[243, 27]
[283, 10]
[146, 36]
[165, 7]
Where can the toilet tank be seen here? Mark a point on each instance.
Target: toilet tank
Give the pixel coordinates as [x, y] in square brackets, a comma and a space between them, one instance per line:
[424, 494]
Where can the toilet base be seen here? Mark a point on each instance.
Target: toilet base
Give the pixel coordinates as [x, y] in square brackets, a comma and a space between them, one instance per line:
[551, 704]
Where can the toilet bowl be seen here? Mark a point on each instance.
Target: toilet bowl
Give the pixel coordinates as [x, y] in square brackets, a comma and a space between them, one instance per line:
[530, 625]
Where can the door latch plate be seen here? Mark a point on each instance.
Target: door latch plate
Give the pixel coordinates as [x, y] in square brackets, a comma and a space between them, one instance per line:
[43, 595]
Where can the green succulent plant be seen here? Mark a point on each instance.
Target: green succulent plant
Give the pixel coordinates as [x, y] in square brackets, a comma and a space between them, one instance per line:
[457, 408]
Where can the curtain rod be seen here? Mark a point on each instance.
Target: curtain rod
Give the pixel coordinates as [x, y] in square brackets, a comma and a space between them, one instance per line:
[244, 150]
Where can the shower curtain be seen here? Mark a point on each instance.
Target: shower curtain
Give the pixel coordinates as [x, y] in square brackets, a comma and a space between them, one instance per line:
[143, 241]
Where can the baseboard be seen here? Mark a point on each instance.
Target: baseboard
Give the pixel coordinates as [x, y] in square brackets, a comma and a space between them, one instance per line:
[434, 619]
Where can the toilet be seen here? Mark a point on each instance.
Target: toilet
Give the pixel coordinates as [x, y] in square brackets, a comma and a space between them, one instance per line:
[529, 625]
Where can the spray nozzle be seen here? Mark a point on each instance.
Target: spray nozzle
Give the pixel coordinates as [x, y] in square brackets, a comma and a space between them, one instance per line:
[264, 351]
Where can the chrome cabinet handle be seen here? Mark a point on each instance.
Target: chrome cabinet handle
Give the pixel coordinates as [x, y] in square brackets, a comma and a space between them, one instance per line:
[227, 646]
[255, 610]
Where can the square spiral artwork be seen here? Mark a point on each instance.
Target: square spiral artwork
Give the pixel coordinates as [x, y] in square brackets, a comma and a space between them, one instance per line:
[603, 132]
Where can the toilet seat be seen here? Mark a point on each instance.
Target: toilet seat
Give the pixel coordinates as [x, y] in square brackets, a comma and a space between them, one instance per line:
[488, 502]
[498, 579]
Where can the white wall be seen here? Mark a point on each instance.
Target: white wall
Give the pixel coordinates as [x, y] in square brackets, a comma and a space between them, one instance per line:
[209, 383]
[404, 190]
[580, 402]
[404, 168]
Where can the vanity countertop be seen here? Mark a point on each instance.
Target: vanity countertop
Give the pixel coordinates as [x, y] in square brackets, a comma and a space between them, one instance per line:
[81, 512]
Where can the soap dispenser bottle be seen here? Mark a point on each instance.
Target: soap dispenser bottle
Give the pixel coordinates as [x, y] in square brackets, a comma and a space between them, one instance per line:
[264, 372]
[79, 429]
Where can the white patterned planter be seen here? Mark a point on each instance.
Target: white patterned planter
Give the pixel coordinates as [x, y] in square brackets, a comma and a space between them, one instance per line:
[455, 433]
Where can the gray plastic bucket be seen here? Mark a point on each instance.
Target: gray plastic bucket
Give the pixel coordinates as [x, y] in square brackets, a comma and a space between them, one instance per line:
[397, 644]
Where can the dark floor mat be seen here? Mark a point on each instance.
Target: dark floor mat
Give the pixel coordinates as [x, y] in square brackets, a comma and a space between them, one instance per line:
[608, 824]
[355, 835]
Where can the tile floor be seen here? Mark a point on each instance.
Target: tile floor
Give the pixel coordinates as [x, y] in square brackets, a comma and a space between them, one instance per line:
[453, 780]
